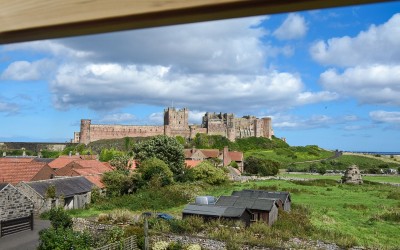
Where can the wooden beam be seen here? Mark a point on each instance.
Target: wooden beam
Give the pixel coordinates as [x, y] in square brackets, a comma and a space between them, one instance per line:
[26, 20]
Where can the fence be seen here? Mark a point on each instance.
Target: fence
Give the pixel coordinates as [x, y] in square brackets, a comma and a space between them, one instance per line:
[16, 225]
[126, 244]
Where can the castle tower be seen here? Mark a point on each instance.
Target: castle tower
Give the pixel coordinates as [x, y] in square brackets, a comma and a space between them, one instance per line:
[84, 135]
[176, 122]
[267, 127]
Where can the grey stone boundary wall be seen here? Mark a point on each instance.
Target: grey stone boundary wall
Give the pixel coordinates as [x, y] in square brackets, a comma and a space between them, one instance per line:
[81, 224]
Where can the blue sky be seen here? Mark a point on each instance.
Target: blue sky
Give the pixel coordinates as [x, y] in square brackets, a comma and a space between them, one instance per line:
[327, 77]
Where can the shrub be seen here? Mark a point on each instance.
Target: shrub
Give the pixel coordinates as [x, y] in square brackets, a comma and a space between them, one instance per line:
[156, 168]
[64, 238]
[263, 167]
[207, 173]
[59, 219]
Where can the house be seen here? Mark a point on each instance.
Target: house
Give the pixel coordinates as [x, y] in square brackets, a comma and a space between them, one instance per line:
[283, 196]
[225, 156]
[91, 169]
[70, 192]
[209, 212]
[15, 210]
[14, 171]
[63, 160]
[261, 209]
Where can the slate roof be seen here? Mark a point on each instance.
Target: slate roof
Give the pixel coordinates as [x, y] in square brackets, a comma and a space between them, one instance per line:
[45, 160]
[14, 172]
[212, 210]
[3, 185]
[64, 186]
[252, 203]
[283, 196]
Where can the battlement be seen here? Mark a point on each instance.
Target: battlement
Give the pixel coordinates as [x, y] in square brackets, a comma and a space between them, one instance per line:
[176, 123]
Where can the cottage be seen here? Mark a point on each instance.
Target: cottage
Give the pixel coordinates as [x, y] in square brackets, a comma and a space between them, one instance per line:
[15, 210]
[261, 209]
[71, 193]
[209, 212]
[284, 197]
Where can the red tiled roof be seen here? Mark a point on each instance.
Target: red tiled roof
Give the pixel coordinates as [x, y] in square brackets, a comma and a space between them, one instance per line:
[90, 169]
[192, 163]
[62, 161]
[188, 153]
[14, 172]
[16, 159]
[96, 180]
[210, 153]
[235, 155]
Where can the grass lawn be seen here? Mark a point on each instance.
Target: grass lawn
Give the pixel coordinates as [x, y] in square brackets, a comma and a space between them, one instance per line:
[301, 156]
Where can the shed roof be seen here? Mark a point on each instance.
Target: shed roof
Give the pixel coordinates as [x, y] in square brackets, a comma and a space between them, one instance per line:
[283, 195]
[62, 161]
[246, 202]
[213, 210]
[236, 155]
[64, 186]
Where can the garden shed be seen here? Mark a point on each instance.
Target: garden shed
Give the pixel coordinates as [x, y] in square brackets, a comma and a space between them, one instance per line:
[281, 195]
[261, 209]
[15, 210]
[209, 212]
[69, 192]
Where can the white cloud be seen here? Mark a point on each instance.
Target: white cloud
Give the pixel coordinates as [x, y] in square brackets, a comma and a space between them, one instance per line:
[8, 107]
[293, 27]
[377, 45]
[109, 86]
[385, 116]
[196, 117]
[157, 118]
[375, 84]
[204, 66]
[27, 71]
[118, 118]
[289, 122]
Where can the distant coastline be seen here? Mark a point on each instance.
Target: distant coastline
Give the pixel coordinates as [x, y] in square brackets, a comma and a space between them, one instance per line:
[372, 152]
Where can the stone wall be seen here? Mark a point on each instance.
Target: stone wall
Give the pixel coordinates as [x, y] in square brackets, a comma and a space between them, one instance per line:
[176, 123]
[14, 204]
[81, 224]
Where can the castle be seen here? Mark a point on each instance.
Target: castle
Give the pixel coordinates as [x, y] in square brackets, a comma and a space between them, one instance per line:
[176, 123]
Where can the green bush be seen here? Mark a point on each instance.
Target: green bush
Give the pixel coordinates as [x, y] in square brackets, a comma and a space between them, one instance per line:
[263, 167]
[59, 218]
[165, 148]
[61, 238]
[207, 173]
[156, 168]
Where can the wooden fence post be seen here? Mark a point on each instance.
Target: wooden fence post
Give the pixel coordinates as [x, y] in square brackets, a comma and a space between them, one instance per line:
[146, 236]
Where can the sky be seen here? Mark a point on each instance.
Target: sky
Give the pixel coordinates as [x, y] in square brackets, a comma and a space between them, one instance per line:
[327, 77]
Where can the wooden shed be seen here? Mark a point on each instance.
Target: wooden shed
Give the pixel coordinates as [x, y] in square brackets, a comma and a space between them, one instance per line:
[15, 210]
[261, 209]
[281, 195]
[209, 212]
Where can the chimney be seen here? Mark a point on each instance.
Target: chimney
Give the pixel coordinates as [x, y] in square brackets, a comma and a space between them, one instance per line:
[70, 153]
[225, 157]
[4, 154]
[23, 152]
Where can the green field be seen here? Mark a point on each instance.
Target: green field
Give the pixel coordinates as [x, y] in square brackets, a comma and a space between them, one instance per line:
[383, 178]
[300, 156]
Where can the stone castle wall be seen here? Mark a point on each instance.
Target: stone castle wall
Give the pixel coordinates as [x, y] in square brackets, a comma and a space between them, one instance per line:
[176, 123]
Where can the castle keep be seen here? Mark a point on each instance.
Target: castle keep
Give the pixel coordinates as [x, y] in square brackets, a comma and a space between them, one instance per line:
[176, 122]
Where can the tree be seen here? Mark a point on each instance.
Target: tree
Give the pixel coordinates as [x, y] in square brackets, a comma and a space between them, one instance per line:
[109, 154]
[156, 168]
[259, 166]
[59, 218]
[119, 183]
[165, 148]
[121, 163]
[206, 172]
